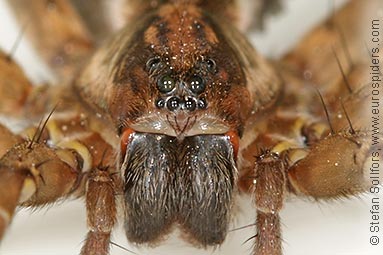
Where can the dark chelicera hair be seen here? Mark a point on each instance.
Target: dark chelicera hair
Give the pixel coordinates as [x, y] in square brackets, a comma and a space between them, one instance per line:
[189, 182]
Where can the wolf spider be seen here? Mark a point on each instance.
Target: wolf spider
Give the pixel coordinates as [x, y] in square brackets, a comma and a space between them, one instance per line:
[177, 113]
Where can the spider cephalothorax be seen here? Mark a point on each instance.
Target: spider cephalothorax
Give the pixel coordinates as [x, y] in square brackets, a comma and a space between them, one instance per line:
[190, 77]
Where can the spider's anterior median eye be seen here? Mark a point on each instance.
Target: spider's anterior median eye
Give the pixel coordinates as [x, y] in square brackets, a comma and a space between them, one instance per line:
[173, 103]
[197, 85]
[190, 104]
[166, 84]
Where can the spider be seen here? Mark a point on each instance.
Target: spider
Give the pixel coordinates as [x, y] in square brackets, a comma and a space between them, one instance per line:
[190, 91]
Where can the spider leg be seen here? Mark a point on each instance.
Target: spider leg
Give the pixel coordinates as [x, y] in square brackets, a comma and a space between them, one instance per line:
[44, 164]
[268, 190]
[101, 210]
[334, 49]
[14, 86]
[334, 59]
[33, 174]
[336, 159]
[331, 166]
[8, 139]
[299, 149]
[53, 165]
[98, 17]
[336, 166]
[63, 41]
[19, 99]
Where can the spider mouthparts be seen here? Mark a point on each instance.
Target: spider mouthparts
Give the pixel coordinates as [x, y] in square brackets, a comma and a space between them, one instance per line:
[181, 123]
[168, 181]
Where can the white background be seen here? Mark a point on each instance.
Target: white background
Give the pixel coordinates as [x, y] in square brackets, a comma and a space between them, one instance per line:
[336, 228]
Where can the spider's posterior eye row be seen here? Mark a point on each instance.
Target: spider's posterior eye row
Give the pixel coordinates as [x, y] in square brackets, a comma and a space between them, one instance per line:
[152, 64]
[197, 84]
[211, 65]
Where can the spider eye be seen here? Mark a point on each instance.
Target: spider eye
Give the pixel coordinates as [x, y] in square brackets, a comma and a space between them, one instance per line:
[197, 85]
[152, 63]
[166, 84]
[173, 103]
[160, 103]
[202, 104]
[190, 104]
[211, 66]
